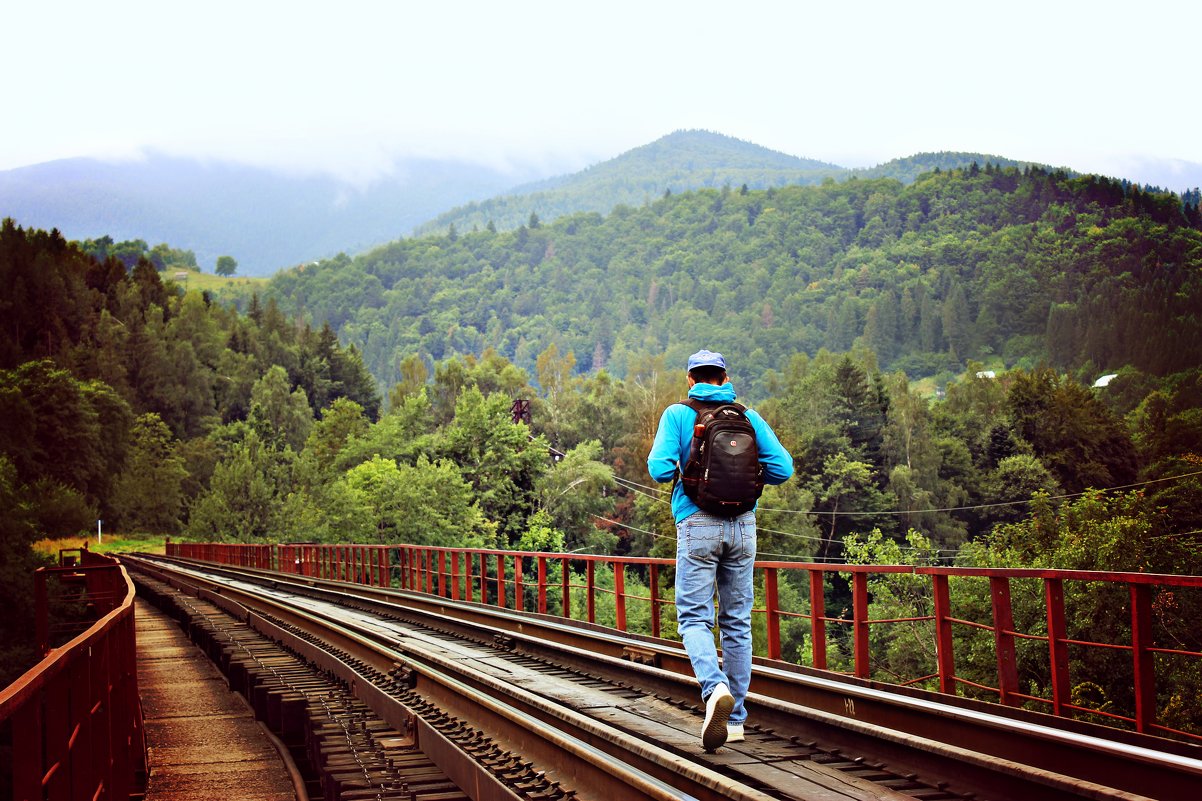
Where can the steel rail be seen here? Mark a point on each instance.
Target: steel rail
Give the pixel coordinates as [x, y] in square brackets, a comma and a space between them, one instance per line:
[601, 761]
[916, 729]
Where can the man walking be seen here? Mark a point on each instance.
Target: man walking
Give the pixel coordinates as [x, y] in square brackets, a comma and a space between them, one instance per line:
[714, 547]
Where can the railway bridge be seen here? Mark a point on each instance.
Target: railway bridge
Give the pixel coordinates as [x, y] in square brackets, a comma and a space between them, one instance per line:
[407, 672]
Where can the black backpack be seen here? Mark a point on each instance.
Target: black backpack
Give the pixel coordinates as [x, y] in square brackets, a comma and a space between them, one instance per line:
[723, 475]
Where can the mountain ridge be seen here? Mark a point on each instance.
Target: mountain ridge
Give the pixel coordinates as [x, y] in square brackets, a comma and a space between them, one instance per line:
[269, 220]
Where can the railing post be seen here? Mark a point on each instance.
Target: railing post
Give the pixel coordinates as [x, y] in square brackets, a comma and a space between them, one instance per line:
[519, 592]
[483, 578]
[501, 581]
[859, 617]
[945, 657]
[1053, 592]
[1003, 638]
[590, 589]
[469, 589]
[454, 575]
[818, 618]
[620, 594]
[567, 602]
[1144, 662]
[41, 612]
[653, 587]
[772, 612]
[442, 573]
[542, 585]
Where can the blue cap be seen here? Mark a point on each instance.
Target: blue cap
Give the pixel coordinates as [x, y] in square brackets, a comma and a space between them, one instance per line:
[706, 358]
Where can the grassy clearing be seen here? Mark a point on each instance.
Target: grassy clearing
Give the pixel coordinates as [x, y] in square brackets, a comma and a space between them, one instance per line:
[216, 283]
[148, 543]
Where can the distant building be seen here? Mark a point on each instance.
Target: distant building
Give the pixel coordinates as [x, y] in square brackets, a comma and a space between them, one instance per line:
[182, 275]
[986, 374]
[1105, 380]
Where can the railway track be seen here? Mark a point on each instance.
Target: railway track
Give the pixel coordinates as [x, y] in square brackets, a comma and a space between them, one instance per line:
[599, 715]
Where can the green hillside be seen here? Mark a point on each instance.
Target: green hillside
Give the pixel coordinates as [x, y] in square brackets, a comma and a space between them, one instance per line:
[1020, 267]
[679, 162]
[911, 168]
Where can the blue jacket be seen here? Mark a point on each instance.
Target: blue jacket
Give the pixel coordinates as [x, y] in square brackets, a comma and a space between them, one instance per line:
[671, 448]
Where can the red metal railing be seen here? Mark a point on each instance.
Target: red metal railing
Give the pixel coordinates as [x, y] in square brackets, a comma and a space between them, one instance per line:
[528, 581]
[74, 720]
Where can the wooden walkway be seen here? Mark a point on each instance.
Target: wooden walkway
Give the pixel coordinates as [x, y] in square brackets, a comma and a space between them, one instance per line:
[202, 740]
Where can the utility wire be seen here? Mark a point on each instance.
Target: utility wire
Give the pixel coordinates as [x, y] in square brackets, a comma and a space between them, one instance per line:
[639, 488]
[792, 556]
[947, 508]
[787, 533]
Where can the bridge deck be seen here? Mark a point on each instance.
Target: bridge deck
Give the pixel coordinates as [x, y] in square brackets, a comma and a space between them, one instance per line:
[202, 739]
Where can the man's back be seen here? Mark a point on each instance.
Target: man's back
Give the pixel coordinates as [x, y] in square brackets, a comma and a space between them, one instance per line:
[714, 552]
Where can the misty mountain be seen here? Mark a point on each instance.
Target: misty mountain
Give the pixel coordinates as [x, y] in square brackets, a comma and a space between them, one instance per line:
[268, 220]
[679, 162]
[263, 218]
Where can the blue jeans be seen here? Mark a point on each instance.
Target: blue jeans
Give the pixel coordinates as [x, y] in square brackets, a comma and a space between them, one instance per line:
[718, 551]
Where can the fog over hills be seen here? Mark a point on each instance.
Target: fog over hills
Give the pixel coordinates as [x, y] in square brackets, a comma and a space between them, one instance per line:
[269, 220]
[263, 218]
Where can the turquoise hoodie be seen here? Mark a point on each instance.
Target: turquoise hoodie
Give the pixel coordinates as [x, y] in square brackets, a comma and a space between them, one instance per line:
[670, 450]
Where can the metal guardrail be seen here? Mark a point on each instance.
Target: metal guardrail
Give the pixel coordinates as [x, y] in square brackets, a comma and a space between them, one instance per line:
[519, 580]
[73, 722]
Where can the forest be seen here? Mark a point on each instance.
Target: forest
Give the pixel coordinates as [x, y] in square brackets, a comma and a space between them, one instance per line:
[1007, 267]
[679, 162]
[127, 398]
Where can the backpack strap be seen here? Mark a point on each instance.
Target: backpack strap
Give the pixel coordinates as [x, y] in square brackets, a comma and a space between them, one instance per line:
[700, 405]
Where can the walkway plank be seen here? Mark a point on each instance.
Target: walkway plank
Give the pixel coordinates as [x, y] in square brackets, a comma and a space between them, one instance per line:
[202, 740]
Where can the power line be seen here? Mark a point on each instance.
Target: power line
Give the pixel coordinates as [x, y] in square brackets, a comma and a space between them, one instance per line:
[792, 556]
[947, 508]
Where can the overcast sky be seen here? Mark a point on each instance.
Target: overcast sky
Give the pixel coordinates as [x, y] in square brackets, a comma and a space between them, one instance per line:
[348, 86]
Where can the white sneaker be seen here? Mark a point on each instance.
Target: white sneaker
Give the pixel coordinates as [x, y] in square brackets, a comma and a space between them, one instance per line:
[734, 733]
[717, 710]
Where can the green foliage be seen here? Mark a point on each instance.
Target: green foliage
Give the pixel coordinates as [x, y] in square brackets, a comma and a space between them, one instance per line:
[1102, 532]
[574, 493]
[496, 456]
[19, 527]
[278, 415]
[148, 493]
[900, 651]
[162, 256]
[58, 429]
[244, 496]
[540, 535]
[391, 503]
[226, 266]
[1080, 440]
